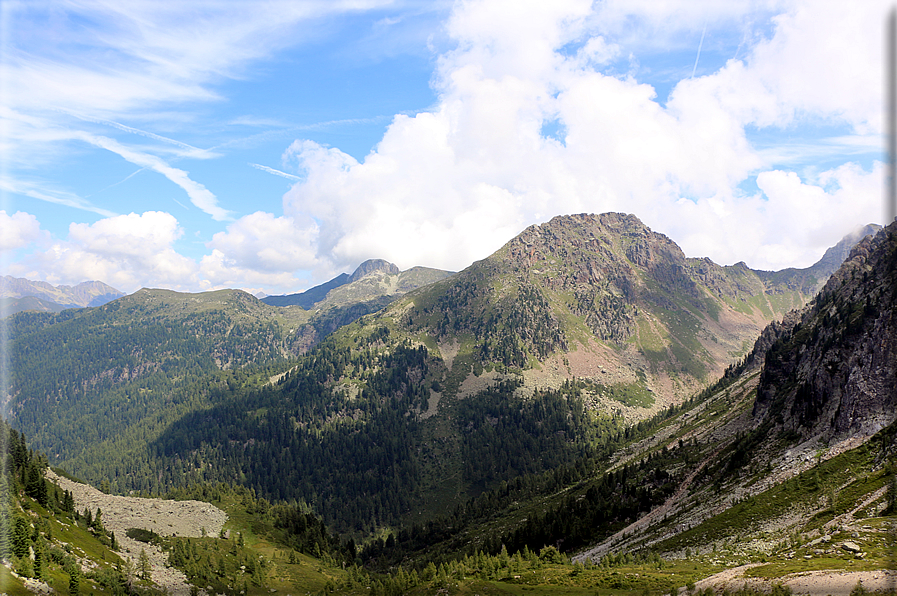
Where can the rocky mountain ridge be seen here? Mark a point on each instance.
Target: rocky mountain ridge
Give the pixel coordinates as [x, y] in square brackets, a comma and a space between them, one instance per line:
[572, 330]
[84, 294]
[602, 297]
[832, 374]
[343, 289]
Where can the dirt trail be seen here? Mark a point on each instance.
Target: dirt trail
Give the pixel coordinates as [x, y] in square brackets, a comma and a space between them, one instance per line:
[813, 583]
[164, 517]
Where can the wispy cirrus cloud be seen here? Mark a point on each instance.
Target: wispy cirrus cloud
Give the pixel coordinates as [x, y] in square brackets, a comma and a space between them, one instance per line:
[69, 65]
[56, 197]
[199, 195]
[275, 172]
[182, 149]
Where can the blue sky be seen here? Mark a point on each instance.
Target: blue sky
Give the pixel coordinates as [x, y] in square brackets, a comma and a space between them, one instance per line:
[271, 146]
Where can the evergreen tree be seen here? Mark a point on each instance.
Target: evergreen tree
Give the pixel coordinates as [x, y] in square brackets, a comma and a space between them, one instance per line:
[21, 537]
[74, 580]
[38, 561]
[143, 566]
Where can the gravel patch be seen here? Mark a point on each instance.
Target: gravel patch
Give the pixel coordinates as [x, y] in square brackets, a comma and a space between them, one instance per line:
[812, 583]
[162, 516]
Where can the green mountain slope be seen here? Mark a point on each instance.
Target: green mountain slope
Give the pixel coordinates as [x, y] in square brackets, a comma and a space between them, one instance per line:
[10, 306]
[421, 406]
[599, 297]
[743, 473]
[102, 378]
[522, 363]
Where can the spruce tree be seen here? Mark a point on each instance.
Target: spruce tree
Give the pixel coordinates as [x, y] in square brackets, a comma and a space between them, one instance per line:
[143, 566]
[74, 581]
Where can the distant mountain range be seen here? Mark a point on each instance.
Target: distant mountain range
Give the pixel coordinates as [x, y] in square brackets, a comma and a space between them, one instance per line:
[342, 300]
[18, 294]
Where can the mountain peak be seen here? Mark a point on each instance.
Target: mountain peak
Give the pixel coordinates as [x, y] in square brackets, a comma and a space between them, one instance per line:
[88, 293]
[839, 253]
[371, 266]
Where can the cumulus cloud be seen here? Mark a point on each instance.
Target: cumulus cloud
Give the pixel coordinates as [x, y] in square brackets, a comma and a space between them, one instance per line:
[451, 185]
[542, 110]
[260, 250]
[18, 230]
[125, 251]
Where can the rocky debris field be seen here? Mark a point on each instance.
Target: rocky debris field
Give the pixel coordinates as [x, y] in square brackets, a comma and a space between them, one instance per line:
[812, 583]
[164, 517]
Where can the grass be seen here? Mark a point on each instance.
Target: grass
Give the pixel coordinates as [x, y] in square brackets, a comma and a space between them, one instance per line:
[631, 394]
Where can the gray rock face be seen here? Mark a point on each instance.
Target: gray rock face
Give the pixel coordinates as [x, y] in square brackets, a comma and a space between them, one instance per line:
[834, 373]
[834, 256]
[372, 265]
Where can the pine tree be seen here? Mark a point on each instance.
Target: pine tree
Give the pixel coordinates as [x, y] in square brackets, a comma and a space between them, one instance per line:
[38, 561]
[74, 580]
[143, 566]
[21, 537]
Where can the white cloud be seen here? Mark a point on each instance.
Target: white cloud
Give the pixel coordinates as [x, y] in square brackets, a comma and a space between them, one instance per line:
[125, 251]
[51, 196]
[448, 186]
[18, 230]
[67, 65]
[260, 250]
[101, 57]
[199, 195]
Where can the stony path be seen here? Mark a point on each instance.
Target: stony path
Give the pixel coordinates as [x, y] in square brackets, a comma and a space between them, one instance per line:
[164, 517]
[813, 583]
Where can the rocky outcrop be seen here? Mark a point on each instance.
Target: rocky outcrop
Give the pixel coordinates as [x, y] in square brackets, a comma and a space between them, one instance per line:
[162, 516]
[834, 373]
[372, 265]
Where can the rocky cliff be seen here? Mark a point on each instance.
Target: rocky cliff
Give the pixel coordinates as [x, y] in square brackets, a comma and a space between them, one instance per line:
[834, 373]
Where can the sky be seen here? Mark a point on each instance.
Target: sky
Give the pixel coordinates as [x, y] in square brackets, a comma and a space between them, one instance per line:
[270, 146]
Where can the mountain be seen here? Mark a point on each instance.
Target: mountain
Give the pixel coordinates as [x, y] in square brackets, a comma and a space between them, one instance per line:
[10, 306]
[600, 297]
[308, 298]
[373, 285]
[519, 364]
[88, 293]
[813, 278]
[787, 462]
[832, 374]
[474, 415]
[800, 440]
[390, 282]
[89, 379]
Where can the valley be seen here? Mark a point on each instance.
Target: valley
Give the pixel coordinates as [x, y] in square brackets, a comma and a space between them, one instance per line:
[585, 411]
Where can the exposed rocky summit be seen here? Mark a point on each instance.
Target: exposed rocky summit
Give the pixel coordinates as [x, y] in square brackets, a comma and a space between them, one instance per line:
[372, 265]
[604, 297]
